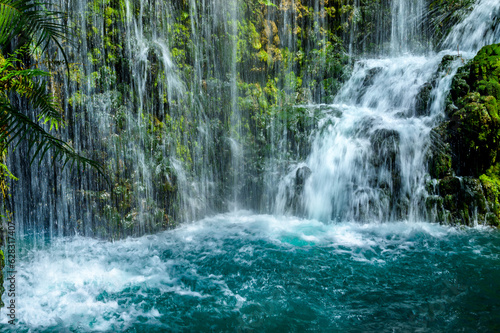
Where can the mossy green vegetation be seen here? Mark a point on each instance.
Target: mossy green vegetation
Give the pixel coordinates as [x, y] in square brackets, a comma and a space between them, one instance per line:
[470, 142]
[490, 182]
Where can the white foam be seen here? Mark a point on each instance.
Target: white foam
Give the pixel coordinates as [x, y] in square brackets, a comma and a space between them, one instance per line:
[74, 280]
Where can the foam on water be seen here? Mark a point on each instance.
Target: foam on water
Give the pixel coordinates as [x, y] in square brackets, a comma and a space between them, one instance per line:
[221, 272]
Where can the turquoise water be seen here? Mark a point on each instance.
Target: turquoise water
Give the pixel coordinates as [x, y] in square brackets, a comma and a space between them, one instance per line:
[259, 273]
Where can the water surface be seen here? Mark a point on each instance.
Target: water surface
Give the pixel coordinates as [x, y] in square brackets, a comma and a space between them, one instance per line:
[260, 273]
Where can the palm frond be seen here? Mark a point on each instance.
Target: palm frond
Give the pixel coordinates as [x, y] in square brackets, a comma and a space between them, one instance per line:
[21, 81]
[34, 21]
[17, 127]
[36, 93]
[9, 16]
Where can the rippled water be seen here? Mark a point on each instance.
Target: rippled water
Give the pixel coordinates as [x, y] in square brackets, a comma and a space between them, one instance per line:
[259, 273]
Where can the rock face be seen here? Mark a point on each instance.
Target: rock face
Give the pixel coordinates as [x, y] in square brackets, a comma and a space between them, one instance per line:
[464, 165]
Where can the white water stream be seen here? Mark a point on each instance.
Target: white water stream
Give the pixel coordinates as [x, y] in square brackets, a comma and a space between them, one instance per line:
[369, 153]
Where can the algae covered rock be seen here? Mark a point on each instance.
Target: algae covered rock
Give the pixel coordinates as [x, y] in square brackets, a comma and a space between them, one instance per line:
[466, 165]
[485, 71]
[491, 185]
[475, 125]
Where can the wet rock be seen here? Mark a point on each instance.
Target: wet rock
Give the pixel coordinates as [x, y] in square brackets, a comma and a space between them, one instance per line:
[423, 100]
[450, 109]
[295, 191]
[445, 65]
[370, 76]
[459, 85]
[459, 201]
[385, 145]
[492, 219]
[385, 148]
[302, 174]
[440, 165]
[472, 194]
[449, 186]
[434, 201]
[439, 156]
[368, 80]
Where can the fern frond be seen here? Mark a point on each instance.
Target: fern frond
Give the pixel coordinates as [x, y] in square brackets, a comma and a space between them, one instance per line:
[17, 127]
[22, 82]
[38, 96]
[34, 21]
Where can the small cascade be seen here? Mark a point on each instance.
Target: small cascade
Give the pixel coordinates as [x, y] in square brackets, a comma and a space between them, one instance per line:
[369, 154]
[481, 27]
[368, 158]
[407, 33]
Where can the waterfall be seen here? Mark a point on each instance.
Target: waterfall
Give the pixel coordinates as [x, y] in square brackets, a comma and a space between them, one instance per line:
[157, 131]
[262, 155]
[481, 27]
[162, 95]
[407, 33]
[368, 160]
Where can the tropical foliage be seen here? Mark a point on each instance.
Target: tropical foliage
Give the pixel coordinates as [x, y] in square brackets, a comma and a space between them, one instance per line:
[28, 28]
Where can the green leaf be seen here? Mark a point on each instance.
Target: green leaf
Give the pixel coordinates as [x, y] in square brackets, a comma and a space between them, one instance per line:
[17, 127]
[267, 3]
[34, 22]
[6, 171]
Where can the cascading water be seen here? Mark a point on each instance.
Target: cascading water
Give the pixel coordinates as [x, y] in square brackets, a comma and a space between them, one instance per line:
[368, 155]
[407, 32]
[156, 131]
[366, 162]
[480, 28]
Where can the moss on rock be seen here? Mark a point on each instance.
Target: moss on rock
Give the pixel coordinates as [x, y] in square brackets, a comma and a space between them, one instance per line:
[472, 138]
[490, 182]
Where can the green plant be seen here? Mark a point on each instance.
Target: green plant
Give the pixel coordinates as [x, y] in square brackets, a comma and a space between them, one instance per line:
[27, 27]
[27, 22]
